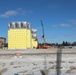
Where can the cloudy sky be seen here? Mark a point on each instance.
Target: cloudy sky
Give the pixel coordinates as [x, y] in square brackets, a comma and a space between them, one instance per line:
[58, 16]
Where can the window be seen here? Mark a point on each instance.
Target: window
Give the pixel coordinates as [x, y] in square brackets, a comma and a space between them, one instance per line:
[34, 36]
[28, 26]
[17, 25]
[23, 25]
[34, 31]
[11, 25]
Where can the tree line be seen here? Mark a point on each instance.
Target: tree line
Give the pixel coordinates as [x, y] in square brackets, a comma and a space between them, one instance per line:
[64, 43]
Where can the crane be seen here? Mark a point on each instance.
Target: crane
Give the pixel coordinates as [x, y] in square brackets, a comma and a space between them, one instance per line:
[43, 36]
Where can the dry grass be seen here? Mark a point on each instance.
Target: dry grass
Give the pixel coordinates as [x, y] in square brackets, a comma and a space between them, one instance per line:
[11, 63]
[70, 70]
[3, 70]
[51, 62]
[17, 67]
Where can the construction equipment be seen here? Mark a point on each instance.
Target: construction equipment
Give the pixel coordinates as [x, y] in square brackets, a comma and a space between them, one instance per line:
[43, 36]
[43, 46]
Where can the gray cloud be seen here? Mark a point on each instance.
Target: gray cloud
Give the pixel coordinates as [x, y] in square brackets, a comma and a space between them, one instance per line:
[64, 25]
[73, 21]
[61, 25]
[8, 13]
[69, 35]
[18, 11]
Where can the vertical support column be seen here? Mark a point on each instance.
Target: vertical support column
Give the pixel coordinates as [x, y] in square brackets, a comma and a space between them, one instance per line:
[45, 63]
[59, 56]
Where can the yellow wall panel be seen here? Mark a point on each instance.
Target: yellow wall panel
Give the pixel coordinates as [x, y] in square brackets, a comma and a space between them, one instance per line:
[17, 38]
[20, 39]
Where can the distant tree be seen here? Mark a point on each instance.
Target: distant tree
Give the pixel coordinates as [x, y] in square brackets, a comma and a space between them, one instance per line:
[74, 44]
[53, 43]
[63, 43]
[57, 44]
[66, 43]
[69, 44]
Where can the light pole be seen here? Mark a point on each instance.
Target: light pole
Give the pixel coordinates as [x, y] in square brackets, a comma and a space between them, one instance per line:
[59, 55]
[45, 64]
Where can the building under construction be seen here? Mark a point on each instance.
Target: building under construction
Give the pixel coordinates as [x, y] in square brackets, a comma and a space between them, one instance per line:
[21, 36]
[2, 42]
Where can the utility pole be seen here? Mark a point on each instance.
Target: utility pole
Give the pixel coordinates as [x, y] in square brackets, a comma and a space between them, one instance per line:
[59, 56]
[45, 63]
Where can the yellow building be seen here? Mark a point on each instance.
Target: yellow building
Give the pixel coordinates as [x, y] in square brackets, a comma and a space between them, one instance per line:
[34, 43]
[34, 38]
[20, 36]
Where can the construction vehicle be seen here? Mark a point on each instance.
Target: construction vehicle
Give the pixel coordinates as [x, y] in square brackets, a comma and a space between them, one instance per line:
[43, 46]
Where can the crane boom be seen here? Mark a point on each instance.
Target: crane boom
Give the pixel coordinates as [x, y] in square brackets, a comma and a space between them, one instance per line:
[43, 32]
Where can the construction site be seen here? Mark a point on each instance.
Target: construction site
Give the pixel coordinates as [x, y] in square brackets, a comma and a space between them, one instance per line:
[38, 62]
[24, 55]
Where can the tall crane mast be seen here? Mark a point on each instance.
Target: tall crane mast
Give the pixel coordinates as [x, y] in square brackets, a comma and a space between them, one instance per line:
[43, 36]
